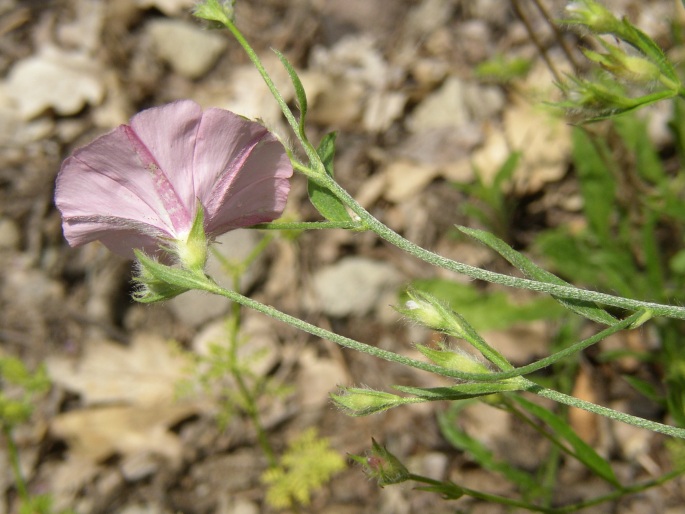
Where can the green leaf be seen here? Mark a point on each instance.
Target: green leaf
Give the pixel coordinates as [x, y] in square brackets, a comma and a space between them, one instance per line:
[461, 391]
[299, 91]
[645, 388]
[479, 452]
[587, 309]
[579, 448]
[635, 136]
[648, 46]
[326, 202]
[307, 464]
[596, 182]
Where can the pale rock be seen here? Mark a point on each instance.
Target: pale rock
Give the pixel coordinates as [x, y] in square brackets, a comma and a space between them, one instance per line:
[382, 109]
[54, 78]
[357, 59]
[318, 377]
[190, 51]
[406, 179]
[353, 286]
[446, 107]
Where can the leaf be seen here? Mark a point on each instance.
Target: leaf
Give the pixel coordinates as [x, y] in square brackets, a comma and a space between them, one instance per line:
[461, 391]
[326, 202]
[307, 464]
[581, 450]
[532, 270]
[479, 452]
[299, 91]
[143, 373]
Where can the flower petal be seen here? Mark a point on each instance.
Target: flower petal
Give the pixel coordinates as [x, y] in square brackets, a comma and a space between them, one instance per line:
[169, 134]
[258, 191]
[104, 184]
[231, 154]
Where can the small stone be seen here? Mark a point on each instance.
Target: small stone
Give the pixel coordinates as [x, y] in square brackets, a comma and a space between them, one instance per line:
[353, 286]
[190, 51]
[64, 81]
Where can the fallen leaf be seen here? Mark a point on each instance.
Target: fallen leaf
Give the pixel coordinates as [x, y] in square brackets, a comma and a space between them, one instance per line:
[144, 373]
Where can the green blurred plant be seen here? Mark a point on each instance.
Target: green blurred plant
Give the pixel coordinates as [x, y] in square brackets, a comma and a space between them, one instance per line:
[631, 241]
[489, 201]
[19, 390]
[630, 73]
[307, 465]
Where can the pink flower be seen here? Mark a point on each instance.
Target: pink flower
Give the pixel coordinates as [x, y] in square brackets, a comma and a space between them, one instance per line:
[140, 184]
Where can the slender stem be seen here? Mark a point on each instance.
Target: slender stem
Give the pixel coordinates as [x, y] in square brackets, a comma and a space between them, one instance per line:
[562, 291]
[13, 454]
[319, 175]
[308, 148]
[248, 398]
[206, 284]
[605, 411]
[618, 493]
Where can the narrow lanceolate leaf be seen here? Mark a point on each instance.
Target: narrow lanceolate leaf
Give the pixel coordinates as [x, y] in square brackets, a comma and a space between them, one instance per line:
[326, 202]
[647, 46]
[579, 448]
[299, 90]
[533, 271]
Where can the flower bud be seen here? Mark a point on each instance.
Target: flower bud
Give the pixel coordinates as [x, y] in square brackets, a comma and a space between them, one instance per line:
[428, 311]
[362, 402]
[382, 465]
[631, 68]
[593, 15]
[457, 360]
[215, 11]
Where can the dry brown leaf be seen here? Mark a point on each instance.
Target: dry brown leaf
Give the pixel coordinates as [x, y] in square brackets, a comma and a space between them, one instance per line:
[96, 434]
[144, 373]
[583, 422]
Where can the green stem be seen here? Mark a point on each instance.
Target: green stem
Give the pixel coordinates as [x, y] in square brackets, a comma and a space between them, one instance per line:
[604, 411]
[319, 175]
[248, 398]
[434, 259]
[614, 495]
[13, 454]
[206, 284]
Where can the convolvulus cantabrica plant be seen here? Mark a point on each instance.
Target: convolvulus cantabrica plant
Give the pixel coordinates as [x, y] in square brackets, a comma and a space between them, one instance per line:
[163, 186]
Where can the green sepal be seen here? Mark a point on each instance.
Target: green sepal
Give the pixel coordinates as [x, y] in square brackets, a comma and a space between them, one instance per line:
[160, 282]
[362, 402]
[192, 253]
[214, 11]
[326, 202]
